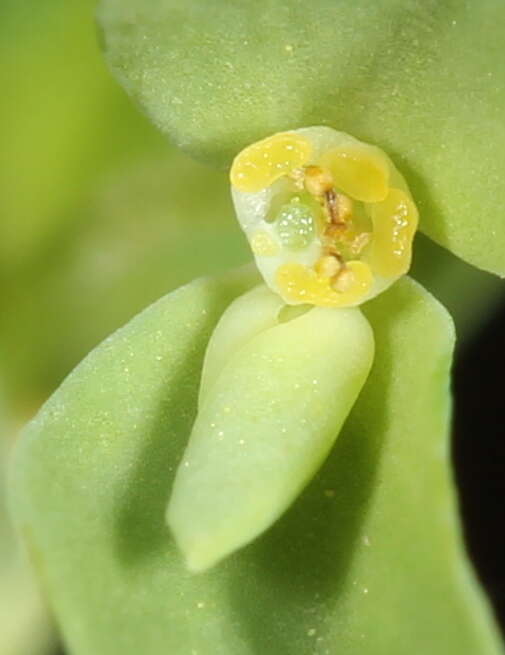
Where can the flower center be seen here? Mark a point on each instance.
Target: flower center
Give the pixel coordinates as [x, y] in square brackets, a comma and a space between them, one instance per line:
[330, 220]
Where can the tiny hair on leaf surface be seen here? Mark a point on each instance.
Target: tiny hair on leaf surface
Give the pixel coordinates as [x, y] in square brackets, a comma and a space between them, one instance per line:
[424, 81]
[346, 569]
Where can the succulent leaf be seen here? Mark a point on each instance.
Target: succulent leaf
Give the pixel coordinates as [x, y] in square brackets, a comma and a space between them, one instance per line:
[368, 561]
[424, 81]
[265, 423]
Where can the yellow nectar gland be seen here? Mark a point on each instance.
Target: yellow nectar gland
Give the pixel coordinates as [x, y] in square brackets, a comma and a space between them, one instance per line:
[394, 224]
[299, 284]
[361, 172]
[264, 162]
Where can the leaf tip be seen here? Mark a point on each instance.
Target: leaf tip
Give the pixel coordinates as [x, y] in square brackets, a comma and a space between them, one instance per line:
[199, 553]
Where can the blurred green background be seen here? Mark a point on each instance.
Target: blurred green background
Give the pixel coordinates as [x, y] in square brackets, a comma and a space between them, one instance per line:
[99, 216]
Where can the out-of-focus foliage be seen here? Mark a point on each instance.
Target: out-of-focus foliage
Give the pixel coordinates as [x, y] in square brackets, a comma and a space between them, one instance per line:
[98, 217]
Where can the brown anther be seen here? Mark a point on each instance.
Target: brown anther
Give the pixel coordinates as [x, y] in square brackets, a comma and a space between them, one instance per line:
[339, 208]
[332, 208]
[331, 249]
[343, 281]
[318, 181]
[328, 266]
[345, 207]
[335, 232]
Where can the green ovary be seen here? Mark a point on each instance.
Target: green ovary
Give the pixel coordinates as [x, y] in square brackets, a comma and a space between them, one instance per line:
[295, 225]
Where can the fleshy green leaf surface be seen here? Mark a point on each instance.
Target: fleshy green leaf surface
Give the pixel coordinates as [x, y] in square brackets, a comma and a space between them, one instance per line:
[239, 324]
[265, 423]
[367, 561]
[424, 80]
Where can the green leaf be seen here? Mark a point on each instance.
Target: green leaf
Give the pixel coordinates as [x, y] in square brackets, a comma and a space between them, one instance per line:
[425, 81]
[266, 421]
[238, 325]
[368, 561]
[104, 269]
[59, 126]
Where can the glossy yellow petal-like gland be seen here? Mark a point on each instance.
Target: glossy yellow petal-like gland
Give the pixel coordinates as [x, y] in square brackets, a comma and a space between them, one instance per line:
[299, 284]
[264, 162]
[359, 171]
[394, 224]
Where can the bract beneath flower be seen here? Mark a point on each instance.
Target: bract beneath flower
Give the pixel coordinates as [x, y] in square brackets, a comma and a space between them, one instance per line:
[330, 220]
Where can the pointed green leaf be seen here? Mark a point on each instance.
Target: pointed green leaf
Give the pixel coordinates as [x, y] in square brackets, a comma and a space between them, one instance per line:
[247, 316]
[266, 423]
[425, 81]
[368, 561]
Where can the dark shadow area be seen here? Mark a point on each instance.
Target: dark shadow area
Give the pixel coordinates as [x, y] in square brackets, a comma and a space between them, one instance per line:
[479, 454]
